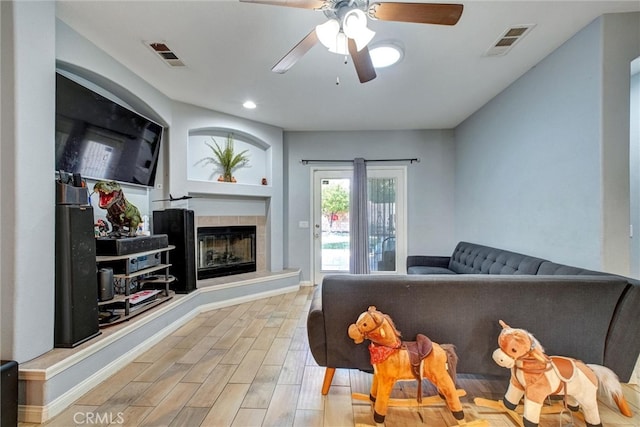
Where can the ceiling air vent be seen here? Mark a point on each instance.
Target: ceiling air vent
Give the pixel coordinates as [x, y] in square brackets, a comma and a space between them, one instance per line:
[166, 54]
[508, 39]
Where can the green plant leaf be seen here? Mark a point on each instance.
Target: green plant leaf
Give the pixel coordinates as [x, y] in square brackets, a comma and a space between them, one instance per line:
[224, 159]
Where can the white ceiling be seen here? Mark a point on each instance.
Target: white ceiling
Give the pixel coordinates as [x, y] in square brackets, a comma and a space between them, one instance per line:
[229, 48]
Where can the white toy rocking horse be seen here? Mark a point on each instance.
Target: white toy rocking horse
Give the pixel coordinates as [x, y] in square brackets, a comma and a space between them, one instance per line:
[534, 376]
[394, 359]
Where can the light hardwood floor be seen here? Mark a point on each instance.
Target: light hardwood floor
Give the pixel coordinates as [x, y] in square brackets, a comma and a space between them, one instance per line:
[250, 365]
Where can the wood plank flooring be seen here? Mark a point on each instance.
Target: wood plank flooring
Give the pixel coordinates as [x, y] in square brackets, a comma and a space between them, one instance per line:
[250, 365]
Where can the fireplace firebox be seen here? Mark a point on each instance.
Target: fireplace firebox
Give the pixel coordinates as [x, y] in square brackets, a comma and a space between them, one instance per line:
[227, 250]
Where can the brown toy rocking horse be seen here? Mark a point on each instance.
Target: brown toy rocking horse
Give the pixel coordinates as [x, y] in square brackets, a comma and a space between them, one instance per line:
[535, 376]
[394, 359]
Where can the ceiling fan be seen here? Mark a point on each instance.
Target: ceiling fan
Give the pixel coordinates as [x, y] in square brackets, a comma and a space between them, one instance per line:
[346, 30]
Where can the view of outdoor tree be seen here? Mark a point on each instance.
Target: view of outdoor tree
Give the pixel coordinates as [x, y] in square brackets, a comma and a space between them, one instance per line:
[382, 190]
[335, 201]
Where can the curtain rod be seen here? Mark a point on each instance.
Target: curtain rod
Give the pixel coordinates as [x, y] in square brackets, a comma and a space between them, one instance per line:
[306, 162]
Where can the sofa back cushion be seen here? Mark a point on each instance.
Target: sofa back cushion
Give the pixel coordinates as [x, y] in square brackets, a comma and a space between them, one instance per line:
[552, 269]
[464, 310]
[471, 258]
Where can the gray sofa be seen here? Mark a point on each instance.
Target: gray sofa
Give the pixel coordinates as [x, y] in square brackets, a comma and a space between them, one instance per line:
[589, 315]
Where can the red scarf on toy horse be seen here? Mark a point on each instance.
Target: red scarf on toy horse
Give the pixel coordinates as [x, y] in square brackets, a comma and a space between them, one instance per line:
[380, 353]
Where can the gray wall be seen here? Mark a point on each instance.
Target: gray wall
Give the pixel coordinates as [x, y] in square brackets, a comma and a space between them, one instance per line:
[543, 167]
[526, 170]
[39, 43]
[429, 190]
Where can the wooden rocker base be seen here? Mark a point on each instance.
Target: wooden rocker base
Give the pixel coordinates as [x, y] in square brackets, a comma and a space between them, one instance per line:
[516, 416]
[475, 423]
[408, 402]
[426, 401]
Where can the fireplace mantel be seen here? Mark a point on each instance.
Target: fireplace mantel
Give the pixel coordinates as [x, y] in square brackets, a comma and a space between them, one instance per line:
[229, 189]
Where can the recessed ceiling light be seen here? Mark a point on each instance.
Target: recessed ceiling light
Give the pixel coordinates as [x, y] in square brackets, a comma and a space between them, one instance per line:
[249, 105]
[386, 54]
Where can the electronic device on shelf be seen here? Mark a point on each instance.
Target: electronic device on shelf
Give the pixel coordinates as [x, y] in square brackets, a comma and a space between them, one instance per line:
[141, 282]
[135, 263]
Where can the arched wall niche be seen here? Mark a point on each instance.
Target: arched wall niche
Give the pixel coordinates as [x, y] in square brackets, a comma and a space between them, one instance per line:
[110, 89]
[259, 152]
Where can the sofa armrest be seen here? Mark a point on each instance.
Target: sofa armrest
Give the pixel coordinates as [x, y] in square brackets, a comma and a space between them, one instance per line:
[316, 332]
[428, 261]
[623, 344]
[420, 264]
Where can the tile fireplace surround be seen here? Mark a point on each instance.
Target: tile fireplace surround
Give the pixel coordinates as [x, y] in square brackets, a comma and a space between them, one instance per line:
[261, 236]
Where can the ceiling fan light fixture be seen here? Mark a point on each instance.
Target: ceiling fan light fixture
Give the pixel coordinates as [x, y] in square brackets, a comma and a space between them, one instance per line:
[332, 37]
[354, 25]
[386, 54]
[340, 45]
[363, 38]
[328, 32]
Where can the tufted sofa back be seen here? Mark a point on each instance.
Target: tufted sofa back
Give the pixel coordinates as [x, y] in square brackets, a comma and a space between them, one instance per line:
[471, 258]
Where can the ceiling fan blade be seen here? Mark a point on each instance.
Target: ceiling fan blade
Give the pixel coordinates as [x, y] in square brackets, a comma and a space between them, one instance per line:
[362, 62]
[296, 53]
[303, 4]
[421, 13]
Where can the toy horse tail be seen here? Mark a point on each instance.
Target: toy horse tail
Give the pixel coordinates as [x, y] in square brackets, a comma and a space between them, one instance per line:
[452, 360]
[609, 385]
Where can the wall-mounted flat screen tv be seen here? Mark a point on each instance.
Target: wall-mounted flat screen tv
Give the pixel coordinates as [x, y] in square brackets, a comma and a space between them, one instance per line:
[100, 139]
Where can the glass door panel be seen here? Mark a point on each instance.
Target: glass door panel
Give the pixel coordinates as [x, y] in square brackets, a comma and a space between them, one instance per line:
[382, 223]
[331, 222]
[387, 224]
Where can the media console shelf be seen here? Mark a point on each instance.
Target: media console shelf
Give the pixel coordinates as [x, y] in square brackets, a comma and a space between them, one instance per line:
[135, 272]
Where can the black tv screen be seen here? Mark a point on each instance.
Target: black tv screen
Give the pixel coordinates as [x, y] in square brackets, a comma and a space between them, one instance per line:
[101, 139]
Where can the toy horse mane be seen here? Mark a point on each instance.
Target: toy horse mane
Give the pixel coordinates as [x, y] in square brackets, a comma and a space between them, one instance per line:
[521, 336]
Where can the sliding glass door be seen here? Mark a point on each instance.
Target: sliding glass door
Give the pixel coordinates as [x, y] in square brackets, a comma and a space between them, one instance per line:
[386, 220]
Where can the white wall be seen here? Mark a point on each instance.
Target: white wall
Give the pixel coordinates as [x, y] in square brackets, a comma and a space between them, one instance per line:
[634, 153]
[79, 56]
[187, 118]
[30, 55]
[27, 191]
[540, 170]
[430, 184]
[620, 46]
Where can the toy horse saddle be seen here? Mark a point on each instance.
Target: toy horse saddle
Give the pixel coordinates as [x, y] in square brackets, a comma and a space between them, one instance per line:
[564, 367]
[418, 350]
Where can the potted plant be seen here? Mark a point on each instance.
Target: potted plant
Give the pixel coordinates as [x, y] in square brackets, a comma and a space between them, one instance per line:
[225, 159]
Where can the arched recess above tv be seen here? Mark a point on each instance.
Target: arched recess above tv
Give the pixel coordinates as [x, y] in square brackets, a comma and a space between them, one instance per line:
[110, 89]
[200, 173]
[100, 137]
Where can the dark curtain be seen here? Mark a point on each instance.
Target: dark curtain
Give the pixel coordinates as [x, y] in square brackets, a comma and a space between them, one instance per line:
[358, 219]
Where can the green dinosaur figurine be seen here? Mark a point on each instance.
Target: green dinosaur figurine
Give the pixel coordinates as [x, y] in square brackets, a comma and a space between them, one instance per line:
[122, 215]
